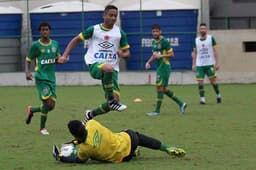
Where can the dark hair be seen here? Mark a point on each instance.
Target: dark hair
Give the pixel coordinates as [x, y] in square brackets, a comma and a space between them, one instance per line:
[203, 24]
[77, 129]
[156, 26]
[44, 24]
[109, 7]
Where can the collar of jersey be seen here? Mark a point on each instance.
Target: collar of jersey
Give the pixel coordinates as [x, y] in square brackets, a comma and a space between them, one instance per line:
[104, 28]
[44, 43]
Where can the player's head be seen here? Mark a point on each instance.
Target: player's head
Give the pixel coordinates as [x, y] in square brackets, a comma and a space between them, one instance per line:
[203, 29]
[77, 129]
[44, 28]
[110, 15]
[156, 31]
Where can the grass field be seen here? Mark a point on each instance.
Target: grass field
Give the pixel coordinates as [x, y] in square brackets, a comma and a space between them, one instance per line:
[215, 136]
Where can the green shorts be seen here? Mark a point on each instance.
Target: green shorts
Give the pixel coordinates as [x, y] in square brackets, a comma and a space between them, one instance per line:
[97, 73]
[162, 75]
[205, 70]
[46, 89]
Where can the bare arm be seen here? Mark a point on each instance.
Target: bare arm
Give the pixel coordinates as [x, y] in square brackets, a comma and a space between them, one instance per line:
[194, 55]
[124, 53]
[216, 66]
[72, 44]
[27, 70]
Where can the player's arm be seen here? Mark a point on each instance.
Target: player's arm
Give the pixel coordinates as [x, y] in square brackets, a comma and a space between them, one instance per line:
[124, 51]
[194, 55]
[168, 50]
[73, 43]
[215, 53]
[33, 53]
[150, 60]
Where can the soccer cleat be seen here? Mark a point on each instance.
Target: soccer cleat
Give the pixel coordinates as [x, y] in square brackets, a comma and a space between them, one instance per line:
[136, 153]
[218, 98]
[152, 113]
[29, 115]
[44, 131]
[114, 105]
[183, 108]
[87, 116]
[177, 152]
[202, 100]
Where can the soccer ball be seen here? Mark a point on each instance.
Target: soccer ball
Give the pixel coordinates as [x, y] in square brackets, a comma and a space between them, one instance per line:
[68, 150]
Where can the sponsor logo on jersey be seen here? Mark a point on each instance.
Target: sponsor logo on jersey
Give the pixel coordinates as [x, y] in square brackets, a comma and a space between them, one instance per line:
[48, 61]
[53, 49]
[105, 45]
[105, 55]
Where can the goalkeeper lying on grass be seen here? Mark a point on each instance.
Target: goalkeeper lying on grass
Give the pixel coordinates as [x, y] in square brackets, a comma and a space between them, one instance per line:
[94, 141]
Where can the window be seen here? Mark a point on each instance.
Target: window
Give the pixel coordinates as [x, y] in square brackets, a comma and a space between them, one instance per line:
[249, 46]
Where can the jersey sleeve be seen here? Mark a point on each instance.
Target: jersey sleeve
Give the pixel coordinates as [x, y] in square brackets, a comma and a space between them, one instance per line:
[214, 42]
[87, 34]
[194, 44]
[167, 46]
[33, 52]
[123, 42]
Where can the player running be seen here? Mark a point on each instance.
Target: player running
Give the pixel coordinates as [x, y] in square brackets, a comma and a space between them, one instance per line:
[45, 52]
[107, 44]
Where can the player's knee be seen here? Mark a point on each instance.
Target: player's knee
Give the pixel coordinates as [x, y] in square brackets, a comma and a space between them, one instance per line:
[107, 68]
[49, 104]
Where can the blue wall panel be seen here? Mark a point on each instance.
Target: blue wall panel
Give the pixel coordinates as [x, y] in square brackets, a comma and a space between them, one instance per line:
[66, 26]
[179, 26]
[10, 25]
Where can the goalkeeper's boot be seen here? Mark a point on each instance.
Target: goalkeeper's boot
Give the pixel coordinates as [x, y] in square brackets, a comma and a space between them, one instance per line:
[177, 152]
[29, 114]
[183, 108]
[114, 105]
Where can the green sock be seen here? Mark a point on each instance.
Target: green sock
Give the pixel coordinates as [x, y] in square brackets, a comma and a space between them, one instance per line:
[103, 108]
[201, 90]
[108, 84]
[174, 98]
[160, 96]
[216, 88]
[35, 109]
[43, 120]
[163, 147]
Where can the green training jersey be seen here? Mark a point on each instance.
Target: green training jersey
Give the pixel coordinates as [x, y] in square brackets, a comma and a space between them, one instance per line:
[45, 56]
[162, 47]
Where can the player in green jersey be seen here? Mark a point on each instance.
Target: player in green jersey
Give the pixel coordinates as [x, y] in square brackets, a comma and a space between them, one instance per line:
[107, 44]
[97, 142]
[45, 52]
[205, 62]
[162, 52]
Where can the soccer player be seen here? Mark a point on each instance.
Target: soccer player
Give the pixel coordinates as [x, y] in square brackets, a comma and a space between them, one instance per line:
[45, 52]
[162, 52]
[205, 62]
[99, 143]
[107, 44]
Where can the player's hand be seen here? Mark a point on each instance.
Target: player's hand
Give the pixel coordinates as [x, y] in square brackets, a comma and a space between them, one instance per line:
[193, 68]
[147, 65]
[216, 67]
[56, 152]
[29, 76]
[62, 60]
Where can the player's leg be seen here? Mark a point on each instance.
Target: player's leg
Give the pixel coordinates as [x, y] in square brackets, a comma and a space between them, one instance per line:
[159, 92]
[152, 143]
[200, 79]
[212, 77]
[30, 110]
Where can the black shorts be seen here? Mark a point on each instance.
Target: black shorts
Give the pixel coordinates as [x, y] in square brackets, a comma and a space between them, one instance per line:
[134, 143]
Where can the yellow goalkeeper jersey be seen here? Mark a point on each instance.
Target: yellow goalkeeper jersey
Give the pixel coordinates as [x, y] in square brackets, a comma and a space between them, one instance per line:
[102, 144]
